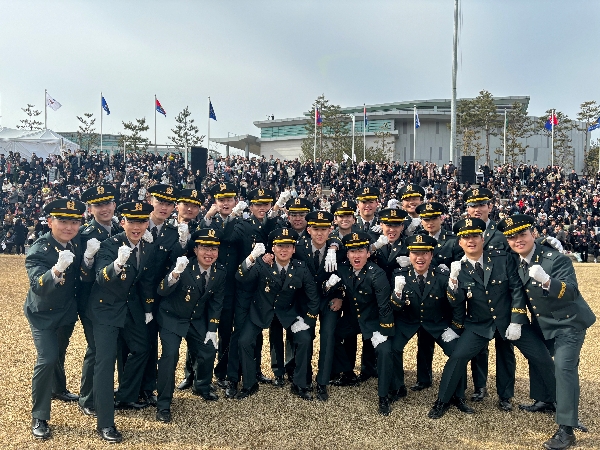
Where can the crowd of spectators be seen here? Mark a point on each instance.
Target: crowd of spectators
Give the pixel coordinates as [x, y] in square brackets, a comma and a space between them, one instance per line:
[566, 204]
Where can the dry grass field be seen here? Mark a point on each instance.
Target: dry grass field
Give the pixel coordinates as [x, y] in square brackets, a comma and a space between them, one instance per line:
[274, 418]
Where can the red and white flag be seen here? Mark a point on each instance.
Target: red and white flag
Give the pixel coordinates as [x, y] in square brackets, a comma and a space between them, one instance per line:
[51, 103]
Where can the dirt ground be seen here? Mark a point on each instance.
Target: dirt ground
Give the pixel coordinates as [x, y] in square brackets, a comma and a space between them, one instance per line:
[274, 418]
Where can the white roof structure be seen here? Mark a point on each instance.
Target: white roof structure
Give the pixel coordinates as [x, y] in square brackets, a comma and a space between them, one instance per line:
[41, 142]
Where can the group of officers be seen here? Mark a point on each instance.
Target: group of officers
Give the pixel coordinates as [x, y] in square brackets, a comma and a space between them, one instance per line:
[219, 281]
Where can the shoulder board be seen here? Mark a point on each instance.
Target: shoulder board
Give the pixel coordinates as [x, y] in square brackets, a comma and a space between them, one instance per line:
[405, 269]
[442, 270]
[41, 243]
[219, 266]
[550, 254]
[497, 253]
[115, 239]
[170, 225]
[88, 229]
[298, 262]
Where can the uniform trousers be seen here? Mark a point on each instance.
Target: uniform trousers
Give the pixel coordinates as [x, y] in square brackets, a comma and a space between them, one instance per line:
[86, 389]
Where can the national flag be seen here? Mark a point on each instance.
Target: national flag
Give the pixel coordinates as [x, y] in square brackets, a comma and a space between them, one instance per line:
[160, 109]
[552, 121]
[595, 125]
[366, 121]
[211, 112]
[318, 117]
[52, 103]
[346, 157]
[105, 106]
[417, 123]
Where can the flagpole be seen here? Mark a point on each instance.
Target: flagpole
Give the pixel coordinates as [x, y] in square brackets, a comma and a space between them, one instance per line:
[415, 133]
[155, 147]
[364, 132]
[504, 159]
[453, 148]
[46, 109]
[101, 125]
[552, 125]
[353, 128]
[208, 134]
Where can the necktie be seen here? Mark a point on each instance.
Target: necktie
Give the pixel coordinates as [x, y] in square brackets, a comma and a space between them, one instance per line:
[203, 282]
[421, 279]
[154, 232]
[69, 247]
[524, 266]
[317, 258]
[479, 269]
[366, 226]
[133, 257]
[282, 275]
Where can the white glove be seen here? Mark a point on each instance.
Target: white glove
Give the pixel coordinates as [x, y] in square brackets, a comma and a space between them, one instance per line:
[555, 243]
[273, 213]
[538, 274]
[376, 228]
[148, 237]
[403, 261]
[299, 325]
[444, 267]
[377, 338]
[258, 251]
[180, 264]
[333, 280]
[184, 232]
[414, 224]
[283, 198]
[383, 240]
[211, 336]
[93, 245]
[513, 332]
[399, 283]
[149, 318]
[393, 203]
[124, 252]
[455, 269]
[239, 208]
[449, 335]
[330, 261]
[65, 258]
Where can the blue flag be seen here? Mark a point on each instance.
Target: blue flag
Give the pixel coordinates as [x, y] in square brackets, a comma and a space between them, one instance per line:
[595, 125]
[105, 106]
[417, 123]
[211, 112]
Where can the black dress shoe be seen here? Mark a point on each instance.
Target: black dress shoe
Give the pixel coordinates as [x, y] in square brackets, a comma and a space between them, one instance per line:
[581, 427]
[560, 440]
[186, 383]
[87, 411]
[397, 394]
[504, 404]
[261, 378]
[290, 377]
[322, 393]
[346, 379]
[279, 381]
[148, 397]
[40, 429]
[438, 410]
[303, 393]
[419, 386]
[245, 393]
[163, 416]
[110, 434]
[362, 377]
[462, 406]
[538, 406]
[231, 390]
[479, 394]
[121, 406]
[210, 397]
[222, 383]
[385, 406]
[66, 396]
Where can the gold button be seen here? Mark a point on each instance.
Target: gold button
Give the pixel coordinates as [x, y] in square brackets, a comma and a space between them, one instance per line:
[486, 292]
[100, 300]
[491, 309]
[534, 307]
[567, 315]
[489, 301]
[537, 315]
[494, 317]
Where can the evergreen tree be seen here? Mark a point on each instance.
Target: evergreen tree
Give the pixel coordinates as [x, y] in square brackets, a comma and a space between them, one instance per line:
[384, 145]
[563, 150]
[185, 132]
[518, 127]
[30, 123]
[132, 137]
[588, 114]
[86, 134]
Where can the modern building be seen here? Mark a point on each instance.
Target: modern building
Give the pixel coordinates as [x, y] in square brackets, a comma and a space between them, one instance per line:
[282, 138]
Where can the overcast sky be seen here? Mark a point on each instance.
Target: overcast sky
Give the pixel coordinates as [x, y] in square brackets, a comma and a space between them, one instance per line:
[257, 58]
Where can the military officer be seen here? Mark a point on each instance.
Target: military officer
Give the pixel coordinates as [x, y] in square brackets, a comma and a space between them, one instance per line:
[193, 298]
[100, 201]
[487, 283]
[412, 195]
[345, 222]
[445, 251]
[54, 267]
[389, 246]
[276, 300]
[420, 304]
[559, 314]
[367, 310]
[297, 209]
[188, 206]
[121, 304]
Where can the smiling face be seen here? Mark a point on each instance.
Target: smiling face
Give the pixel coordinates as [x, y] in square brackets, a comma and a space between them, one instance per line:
[432, 224]
[410, 204]
[522, 243]
[392, 232]
[420, 260]
[319, 235]
[367, 209]
[472, 245]
[134, 229]
[225, 205]
[187, 211]
[206, 255]
[345, 222]
[162, 210]
[481, 211]
[358, 257]
[103, 212]
[63, 230]
[283, 253]
[297, 221]
[260, 210]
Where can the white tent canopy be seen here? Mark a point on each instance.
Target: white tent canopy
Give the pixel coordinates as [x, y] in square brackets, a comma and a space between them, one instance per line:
[41, 142]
